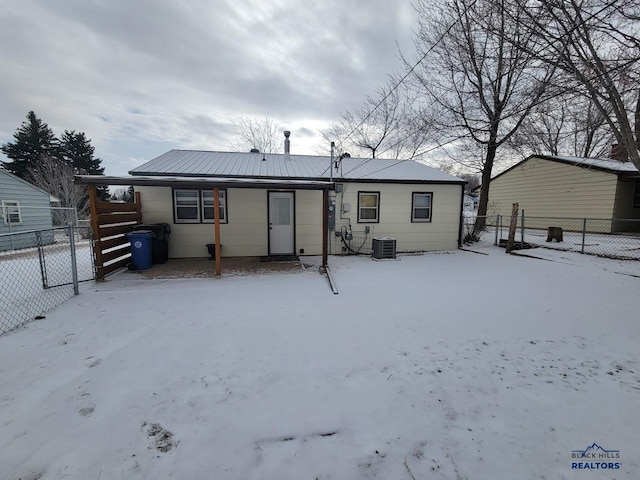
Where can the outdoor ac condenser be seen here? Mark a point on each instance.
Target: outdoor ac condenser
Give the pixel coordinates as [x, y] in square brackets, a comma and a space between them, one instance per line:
[384, 248]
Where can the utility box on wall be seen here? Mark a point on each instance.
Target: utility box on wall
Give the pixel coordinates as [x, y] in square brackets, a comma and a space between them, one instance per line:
[384, 248]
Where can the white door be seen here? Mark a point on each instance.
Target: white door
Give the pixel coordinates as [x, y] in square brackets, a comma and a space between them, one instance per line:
[281, 226]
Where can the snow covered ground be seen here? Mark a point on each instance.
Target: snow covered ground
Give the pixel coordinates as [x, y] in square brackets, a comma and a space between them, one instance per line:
[454, 366]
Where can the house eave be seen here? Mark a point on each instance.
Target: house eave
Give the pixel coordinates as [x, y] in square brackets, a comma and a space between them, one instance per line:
[314, 179]
[203, 182]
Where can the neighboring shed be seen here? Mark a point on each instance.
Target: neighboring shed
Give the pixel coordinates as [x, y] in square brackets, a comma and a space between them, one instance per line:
[24, 207]
[555, 186]
[417, 205]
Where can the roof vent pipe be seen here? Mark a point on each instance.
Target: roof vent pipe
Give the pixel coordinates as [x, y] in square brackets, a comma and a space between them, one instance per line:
[287, 155]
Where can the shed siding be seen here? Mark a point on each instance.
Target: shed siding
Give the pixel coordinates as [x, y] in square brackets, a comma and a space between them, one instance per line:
[624, 200]
[395, 216]
[624, 207]
[545, 188]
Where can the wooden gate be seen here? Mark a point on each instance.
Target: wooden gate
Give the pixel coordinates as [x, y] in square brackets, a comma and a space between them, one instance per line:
[109, 222]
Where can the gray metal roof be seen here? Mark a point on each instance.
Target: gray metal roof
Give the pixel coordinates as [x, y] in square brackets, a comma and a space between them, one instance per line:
[277, 166]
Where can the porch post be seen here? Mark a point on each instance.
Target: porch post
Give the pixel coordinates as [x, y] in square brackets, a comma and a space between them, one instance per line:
[325, 226]
[216, 222]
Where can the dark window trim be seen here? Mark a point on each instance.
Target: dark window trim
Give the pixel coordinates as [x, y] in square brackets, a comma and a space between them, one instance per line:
[200, 219]
[413, 220]
[377, 220]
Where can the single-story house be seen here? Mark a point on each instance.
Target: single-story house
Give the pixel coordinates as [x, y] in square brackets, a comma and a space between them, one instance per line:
[570, 187]
[417, 205]
[24, 208]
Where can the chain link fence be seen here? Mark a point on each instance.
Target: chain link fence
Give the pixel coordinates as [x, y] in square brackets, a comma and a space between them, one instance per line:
[611, 238]
[41, 269]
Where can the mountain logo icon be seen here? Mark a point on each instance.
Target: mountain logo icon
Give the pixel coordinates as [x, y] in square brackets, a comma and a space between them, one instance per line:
[593, 448]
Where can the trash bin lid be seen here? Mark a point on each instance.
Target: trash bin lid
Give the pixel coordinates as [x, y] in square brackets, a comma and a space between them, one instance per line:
[140, 233]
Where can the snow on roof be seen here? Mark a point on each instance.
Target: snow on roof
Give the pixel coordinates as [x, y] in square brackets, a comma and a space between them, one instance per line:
[271, 165]
[600, 163]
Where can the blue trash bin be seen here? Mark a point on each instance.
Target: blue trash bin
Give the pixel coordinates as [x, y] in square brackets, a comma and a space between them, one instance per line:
[141, 248]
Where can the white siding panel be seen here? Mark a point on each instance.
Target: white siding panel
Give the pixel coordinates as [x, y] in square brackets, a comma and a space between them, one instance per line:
[246, 233]
[395, 216]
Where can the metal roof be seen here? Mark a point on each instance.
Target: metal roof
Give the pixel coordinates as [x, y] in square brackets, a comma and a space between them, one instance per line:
[279, 166]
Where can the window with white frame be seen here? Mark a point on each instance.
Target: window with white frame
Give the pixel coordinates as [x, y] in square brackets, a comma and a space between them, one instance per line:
[421, 206]
[368, 207]
[207, 206]
[11, 213]
[196, 206]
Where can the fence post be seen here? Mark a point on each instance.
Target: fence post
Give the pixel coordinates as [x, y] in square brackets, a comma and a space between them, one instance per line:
[495, 243]
[584, 233]
[74, 263]
[522, 230]
[43, 267]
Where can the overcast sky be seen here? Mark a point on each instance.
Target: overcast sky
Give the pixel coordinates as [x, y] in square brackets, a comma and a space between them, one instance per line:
[141, 77]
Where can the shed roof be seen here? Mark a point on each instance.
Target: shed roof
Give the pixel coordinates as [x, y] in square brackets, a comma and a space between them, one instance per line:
[606, 164]
[614, 167]
[278, 166]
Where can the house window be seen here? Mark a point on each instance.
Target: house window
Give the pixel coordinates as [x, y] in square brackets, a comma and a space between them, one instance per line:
[207, 206]
[368, 207]
[196, 206]
[636, 195]
[11, 214]
[421, 206]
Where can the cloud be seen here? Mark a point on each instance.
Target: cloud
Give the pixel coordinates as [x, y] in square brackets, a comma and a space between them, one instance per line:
[144, 75]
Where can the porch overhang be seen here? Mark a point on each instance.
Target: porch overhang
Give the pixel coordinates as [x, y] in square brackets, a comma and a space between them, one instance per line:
[204, 182]
[213, 183]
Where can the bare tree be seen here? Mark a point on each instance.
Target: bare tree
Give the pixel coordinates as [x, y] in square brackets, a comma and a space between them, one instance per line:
[264, 135]
[55, 176]
[567, 125]
[123, 194]
[594, 45]
[481, 86]
[387, 124]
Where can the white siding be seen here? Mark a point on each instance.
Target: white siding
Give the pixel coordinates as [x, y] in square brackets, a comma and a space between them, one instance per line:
[545, 188]
[246, 233]
[395, 216]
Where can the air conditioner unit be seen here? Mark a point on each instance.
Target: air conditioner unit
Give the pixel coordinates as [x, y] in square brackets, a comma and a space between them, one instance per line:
[384, 248]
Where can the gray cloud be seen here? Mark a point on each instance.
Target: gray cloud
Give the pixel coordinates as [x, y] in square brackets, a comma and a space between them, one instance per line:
[139, 76]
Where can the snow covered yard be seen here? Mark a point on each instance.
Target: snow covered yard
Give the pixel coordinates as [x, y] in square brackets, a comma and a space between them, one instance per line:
[440, 366]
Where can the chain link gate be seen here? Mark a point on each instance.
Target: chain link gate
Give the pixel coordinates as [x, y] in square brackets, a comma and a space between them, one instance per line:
[40, 270]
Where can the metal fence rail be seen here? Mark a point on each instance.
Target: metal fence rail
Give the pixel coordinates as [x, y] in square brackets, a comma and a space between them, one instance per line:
[604, 237]
[39, 270]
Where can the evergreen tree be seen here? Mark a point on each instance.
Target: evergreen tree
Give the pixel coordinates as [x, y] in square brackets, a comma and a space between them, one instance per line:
[77, 151]
[33, 140]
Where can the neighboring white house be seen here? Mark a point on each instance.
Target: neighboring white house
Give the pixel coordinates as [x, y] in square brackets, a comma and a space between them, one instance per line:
[555, 186]
[23, 208]
[419, 206]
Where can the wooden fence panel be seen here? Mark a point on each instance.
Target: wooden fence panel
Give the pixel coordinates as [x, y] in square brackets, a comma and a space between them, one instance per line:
[109, 219]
